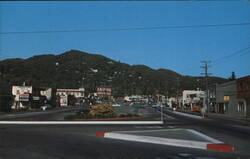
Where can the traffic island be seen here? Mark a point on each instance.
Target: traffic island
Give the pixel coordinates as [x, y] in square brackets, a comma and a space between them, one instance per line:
[173, 137]
[102, 112]
[112, 118]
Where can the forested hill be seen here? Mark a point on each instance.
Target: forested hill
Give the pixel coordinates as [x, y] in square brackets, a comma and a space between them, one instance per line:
[74, 69]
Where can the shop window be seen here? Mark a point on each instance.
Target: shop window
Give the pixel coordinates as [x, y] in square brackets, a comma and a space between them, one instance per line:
[248, 85]
[226, 98]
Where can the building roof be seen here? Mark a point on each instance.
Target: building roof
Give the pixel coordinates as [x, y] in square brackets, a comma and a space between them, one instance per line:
[227, 84]
[243, 78]
[70, 90]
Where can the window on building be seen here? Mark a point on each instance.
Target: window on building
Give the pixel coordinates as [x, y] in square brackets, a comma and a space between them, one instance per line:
[241, 86]
[248, 85]
[212, 94]
[193, 95]
[226, 98]
[241, 106]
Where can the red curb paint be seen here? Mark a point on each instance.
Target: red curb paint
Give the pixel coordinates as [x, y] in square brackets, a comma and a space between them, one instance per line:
[221, 147]
[101, 134]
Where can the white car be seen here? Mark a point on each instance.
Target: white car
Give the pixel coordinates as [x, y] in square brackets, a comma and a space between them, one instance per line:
[116, 105]
[46, 106]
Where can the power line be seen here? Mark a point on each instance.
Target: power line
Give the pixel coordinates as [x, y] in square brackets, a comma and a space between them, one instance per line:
[233, 54]
[129, 29]
[215, 62]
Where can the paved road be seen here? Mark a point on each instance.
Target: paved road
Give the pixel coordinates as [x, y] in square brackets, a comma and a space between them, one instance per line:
[148, 113]
[51, 114]
[79, 141]
[56, 142]
[235, 133]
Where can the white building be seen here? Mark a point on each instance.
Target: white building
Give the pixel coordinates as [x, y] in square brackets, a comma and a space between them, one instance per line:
[22, 96]
[190, 97]
[64, 93]
[16, 90]
[170, 101]
[47, 92]
[75, 92]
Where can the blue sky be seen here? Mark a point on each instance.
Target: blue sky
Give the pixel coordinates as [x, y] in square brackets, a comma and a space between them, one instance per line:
[180, 50]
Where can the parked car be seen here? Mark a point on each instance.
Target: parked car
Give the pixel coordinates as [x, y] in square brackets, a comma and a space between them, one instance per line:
[196, 108]
[157, 105]
[116, 105]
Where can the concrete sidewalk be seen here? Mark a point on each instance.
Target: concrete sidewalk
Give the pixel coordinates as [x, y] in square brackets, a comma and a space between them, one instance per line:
[217, 116]
[229, 117]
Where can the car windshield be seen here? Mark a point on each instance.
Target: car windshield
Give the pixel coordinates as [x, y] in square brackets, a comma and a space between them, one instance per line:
[125, 79]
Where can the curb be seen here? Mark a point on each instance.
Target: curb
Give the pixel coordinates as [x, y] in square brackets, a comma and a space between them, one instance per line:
[188, 115]
[80, 122]
[100, 134]
[221, 147]
[214, 144]
[168, 116]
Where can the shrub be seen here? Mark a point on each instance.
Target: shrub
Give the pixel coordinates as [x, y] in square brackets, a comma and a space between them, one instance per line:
[102, 110]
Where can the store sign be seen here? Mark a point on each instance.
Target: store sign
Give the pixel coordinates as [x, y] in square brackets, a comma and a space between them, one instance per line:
[63, 101]
[104, 91]
[24, 97]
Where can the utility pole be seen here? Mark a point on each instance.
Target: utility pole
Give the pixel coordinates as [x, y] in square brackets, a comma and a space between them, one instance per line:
[57, 98]
[177, 91]
[205, 66]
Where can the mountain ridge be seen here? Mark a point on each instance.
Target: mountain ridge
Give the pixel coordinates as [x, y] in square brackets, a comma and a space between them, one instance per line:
[66, 70]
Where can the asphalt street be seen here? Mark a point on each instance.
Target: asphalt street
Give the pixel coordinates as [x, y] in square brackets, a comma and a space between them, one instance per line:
[51, 114]
[236, 133]
[80, 141]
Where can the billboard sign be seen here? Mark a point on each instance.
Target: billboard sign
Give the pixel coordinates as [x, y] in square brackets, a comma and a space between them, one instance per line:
[63, 101]
[103, 91]
[24, 97]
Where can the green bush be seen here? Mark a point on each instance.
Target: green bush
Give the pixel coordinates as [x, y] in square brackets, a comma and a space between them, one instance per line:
[102, 110]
